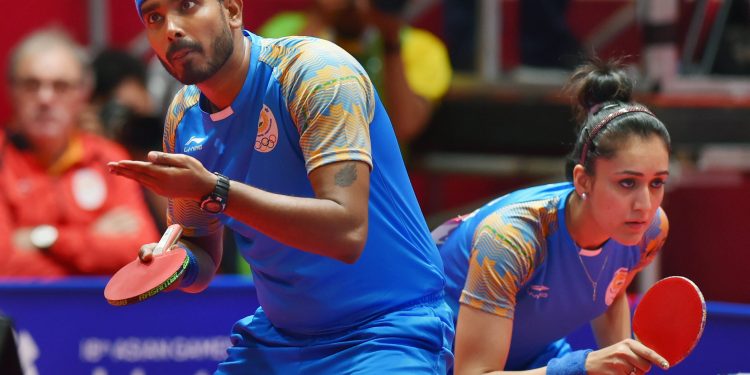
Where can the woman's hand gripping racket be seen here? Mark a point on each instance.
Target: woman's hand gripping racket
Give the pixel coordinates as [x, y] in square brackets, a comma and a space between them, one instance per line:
[139, 280]
[670, 318]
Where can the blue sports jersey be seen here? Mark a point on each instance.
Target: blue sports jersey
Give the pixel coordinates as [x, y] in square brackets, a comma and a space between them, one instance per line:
[306, 103]
[514, 258]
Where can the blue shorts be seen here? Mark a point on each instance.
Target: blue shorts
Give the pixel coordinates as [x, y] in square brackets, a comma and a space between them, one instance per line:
[415, 340]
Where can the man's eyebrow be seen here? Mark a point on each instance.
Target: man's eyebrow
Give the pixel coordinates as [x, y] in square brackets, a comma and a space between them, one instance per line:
[148, 7]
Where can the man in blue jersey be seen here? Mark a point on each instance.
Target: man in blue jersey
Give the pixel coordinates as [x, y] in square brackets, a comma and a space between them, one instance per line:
[286, 142]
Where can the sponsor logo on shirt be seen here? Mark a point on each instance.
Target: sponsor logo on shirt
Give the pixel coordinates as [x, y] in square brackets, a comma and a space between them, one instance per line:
[538, 291]
[194, 144]
[268, 131]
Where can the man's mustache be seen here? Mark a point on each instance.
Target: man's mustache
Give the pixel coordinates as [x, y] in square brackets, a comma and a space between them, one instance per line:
[182, 45]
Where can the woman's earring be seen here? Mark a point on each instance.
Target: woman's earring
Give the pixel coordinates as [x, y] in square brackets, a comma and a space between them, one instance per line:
[584, 196]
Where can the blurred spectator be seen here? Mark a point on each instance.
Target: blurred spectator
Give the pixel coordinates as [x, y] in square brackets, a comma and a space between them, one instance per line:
[61, 212]
[120, 90]
[410, 67]
[460, 24]
[733, 50]
[546, 38]
[141, 134]
[125, 111]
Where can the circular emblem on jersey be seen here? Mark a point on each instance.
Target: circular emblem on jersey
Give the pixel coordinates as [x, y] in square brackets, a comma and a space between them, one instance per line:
[618, 281]
[268, 131]
[89, 189]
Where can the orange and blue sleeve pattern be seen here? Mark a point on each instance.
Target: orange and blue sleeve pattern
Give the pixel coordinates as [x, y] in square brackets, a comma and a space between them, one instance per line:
[187, 97]
[329, 97]
[186, 212]
[653, 241]
[507, 248]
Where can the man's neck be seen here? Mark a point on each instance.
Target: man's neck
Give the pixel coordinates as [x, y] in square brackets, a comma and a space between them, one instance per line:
[45, 152]
[224, 86]
[48, 156]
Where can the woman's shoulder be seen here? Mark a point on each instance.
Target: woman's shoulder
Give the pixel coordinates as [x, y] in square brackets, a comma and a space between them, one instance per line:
[659, 228]
[528, 206]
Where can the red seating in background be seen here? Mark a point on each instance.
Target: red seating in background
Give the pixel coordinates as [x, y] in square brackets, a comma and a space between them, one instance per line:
[708, 237]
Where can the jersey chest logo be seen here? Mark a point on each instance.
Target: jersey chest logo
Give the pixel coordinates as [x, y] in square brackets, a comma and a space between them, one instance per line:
[618, 281]
[268, 131]
[538, 291]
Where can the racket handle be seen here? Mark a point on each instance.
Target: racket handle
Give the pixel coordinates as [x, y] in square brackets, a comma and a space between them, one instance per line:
[170, 237]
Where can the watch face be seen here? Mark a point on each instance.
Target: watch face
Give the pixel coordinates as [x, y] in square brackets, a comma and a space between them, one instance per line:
[211, 206]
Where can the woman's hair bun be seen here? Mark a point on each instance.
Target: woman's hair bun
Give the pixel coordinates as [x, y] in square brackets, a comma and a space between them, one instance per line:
[598, 82]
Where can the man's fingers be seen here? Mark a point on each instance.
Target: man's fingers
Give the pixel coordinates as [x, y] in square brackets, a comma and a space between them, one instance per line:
[163, 158]
[648, 354]
[142, 167]
[129, 164]
[146, 253]
[144, 178]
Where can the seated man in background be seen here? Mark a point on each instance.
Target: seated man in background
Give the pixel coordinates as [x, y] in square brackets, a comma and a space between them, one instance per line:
[125, 112]
[61, 213]
[119, 93]
[410, 67]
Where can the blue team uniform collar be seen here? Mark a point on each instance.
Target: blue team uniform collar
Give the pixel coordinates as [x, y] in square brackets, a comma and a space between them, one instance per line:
[247, 87]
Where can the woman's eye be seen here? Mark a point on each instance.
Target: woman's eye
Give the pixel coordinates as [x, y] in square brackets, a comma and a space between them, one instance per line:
[657, 183]
[627, 183]
[186, 5]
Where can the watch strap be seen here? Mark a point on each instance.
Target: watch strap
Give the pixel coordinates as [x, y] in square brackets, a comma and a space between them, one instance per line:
[222, 187]
[217, 200]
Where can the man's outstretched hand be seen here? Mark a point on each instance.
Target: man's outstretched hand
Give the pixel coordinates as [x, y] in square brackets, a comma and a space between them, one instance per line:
[169, 175]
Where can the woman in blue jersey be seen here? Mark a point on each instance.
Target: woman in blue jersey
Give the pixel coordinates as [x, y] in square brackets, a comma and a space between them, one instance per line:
[530, 267]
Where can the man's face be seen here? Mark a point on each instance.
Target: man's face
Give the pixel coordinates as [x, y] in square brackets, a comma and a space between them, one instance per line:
[48, 94]
[192, 38]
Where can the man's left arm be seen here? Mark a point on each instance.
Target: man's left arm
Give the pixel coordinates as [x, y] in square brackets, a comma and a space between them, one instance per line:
[333, 223]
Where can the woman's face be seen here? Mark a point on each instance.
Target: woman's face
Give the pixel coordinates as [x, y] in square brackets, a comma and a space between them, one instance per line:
[627, 189]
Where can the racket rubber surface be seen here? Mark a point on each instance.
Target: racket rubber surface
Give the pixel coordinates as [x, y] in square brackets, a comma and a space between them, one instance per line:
[138, 281]
[670, 318]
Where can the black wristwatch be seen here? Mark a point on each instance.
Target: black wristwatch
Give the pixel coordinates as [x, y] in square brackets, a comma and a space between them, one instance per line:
[216, 202]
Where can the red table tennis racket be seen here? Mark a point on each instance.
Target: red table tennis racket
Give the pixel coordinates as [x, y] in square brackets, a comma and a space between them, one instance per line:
[138, 281]
[670, 318]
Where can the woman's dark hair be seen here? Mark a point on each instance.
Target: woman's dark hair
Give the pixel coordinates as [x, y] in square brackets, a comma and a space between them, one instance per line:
[606, 114]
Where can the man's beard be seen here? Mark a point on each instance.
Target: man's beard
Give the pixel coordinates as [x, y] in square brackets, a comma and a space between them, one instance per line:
[223, 47]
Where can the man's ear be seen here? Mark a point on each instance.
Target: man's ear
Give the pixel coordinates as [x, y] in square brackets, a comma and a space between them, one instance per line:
[582, 181]
[234, 13]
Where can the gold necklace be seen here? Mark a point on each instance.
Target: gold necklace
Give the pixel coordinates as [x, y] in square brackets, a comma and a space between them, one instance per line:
[593, 282]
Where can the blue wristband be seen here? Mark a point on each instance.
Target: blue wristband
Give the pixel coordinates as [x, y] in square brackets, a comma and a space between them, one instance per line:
[191, 272]
[570, 364]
